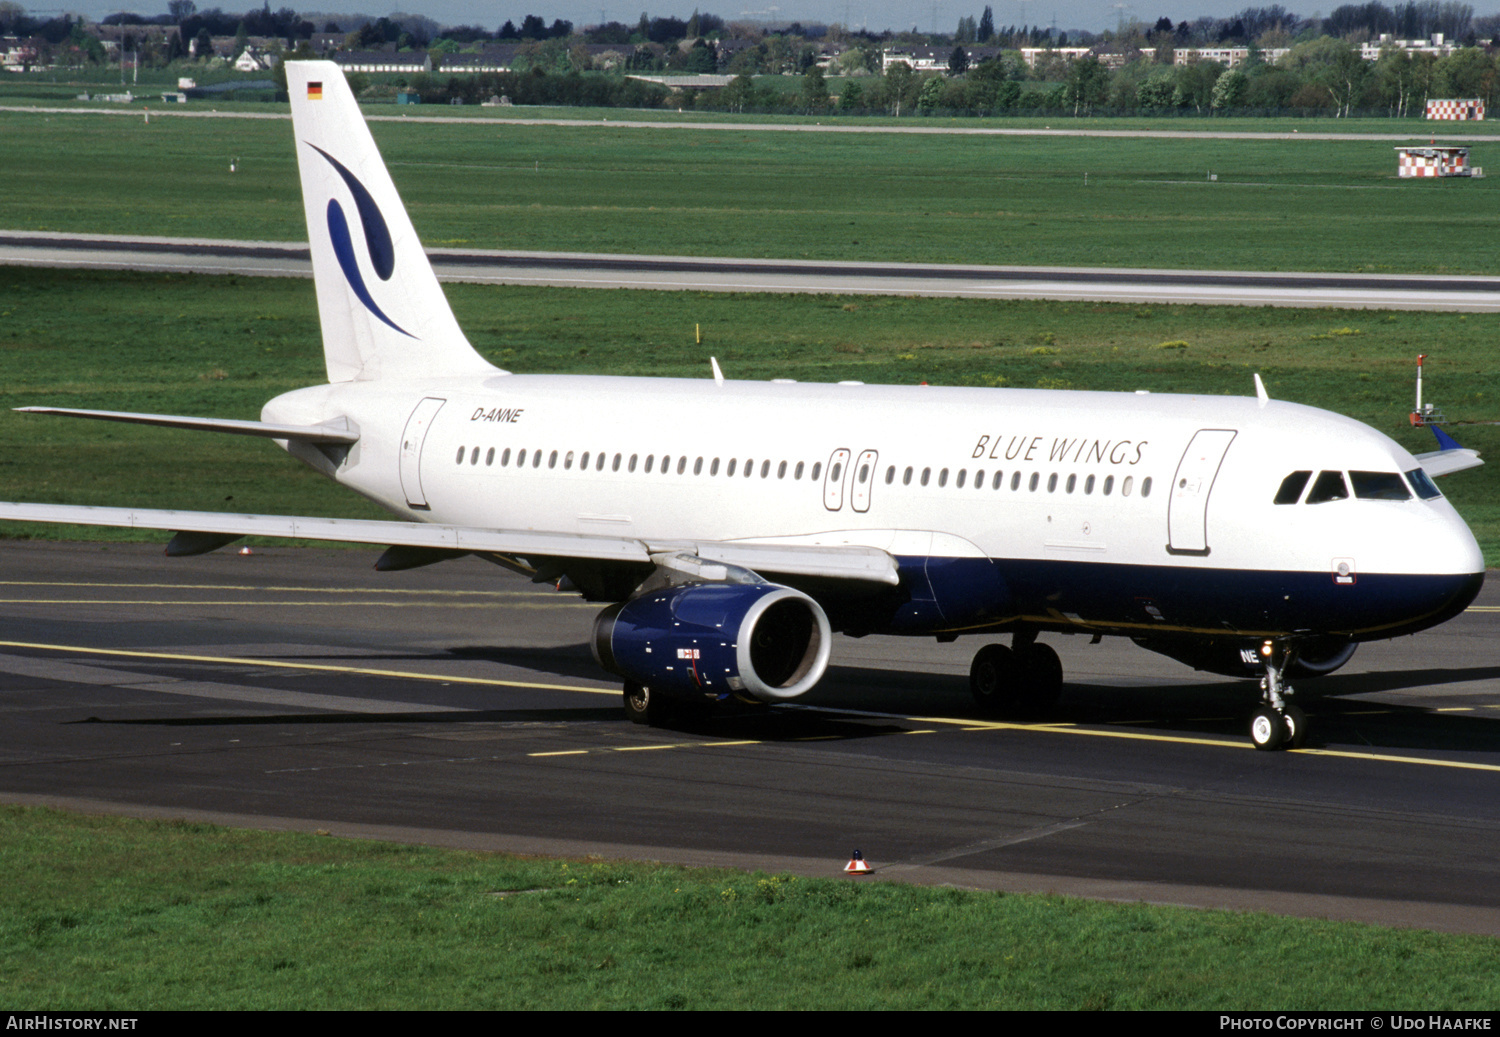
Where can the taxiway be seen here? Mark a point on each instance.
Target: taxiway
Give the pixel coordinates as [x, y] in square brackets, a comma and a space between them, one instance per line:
[698, 273]
[459, 705]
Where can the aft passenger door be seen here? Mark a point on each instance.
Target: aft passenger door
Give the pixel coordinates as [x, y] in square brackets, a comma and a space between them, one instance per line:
[411, 450]
[1187, 510]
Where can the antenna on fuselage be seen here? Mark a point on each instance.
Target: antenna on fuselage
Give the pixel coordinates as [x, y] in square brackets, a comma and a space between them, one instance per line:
[718, 375]
[1260, 391]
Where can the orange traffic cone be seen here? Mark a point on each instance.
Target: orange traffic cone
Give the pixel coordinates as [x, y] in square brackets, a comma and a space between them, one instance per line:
[857, 865]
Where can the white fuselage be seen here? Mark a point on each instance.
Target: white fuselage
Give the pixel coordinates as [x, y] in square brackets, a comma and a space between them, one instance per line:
[1166, 484]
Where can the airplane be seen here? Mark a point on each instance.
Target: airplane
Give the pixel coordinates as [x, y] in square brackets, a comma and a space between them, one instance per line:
[732, 527]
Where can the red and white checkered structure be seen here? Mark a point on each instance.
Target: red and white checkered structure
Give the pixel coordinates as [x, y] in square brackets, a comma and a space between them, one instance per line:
[1459, 110]
[1434, 161]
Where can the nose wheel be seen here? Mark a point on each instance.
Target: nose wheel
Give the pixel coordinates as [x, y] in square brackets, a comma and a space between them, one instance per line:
[1277, 724]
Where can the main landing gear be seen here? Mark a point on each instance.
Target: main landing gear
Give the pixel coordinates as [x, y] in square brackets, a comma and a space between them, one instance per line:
[1023, 680]
[1277, 724]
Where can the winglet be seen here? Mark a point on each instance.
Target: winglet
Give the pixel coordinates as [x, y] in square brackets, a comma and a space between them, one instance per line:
[1445, 441]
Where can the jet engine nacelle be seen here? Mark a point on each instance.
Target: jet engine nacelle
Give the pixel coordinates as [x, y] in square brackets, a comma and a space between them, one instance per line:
[1241, 658]
[717, 639]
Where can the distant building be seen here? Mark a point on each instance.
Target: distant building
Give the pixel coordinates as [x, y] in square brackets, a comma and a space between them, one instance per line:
[383, 61]
[1465, 110]
[1229, 57]
[1437, 46]
[16, 54]
[252, 60]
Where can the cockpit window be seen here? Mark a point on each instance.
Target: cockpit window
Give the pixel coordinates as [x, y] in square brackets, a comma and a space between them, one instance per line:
[1379, 486]
[1292, 487]
[1329, 487]
[1422, 483]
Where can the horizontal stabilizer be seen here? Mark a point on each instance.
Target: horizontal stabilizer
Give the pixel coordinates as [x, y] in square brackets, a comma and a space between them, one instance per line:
[327, 434]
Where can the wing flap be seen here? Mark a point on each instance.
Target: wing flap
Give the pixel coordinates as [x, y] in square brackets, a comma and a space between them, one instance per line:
[842, 562]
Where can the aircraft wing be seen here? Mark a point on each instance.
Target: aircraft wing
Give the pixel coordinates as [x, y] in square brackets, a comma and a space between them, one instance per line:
[326, 434]
[1446, 462]
[1450, 456]
[200, 531]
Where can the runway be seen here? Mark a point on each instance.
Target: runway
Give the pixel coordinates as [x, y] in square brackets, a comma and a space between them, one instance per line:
[689, 273]
[459, 705]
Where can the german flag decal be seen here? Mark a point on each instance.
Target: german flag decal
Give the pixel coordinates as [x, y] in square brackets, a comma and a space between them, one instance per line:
[315, 91]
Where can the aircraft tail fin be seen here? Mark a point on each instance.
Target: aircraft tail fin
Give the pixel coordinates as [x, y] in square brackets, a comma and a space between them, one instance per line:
[382, 310]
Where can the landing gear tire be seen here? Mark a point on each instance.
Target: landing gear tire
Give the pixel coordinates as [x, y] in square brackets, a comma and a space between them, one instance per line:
[1268, 728]
[1041, 678]
[642, 706]
[1296, 727]
[993, 679]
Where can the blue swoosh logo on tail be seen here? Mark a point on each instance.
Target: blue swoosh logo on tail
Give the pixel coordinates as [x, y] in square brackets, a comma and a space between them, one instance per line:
[377, 235]
[343, 247]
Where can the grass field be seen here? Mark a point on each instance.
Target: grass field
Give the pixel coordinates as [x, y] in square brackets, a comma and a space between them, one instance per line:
[104, 913]
[1276, 205]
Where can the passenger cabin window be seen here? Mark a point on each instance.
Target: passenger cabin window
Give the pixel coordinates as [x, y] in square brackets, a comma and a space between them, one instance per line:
[1422, 483]
[1379, 486]
[1292, 487]
[1329, 487]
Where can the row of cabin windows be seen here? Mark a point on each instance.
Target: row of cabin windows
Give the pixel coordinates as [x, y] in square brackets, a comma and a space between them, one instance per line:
[1088, 484]
[598, 461]
[1330, 486]
[997, 480]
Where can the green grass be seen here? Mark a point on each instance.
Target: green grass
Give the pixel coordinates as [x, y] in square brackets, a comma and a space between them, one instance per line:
[224, 345]
[1277, 205]
[107, 913]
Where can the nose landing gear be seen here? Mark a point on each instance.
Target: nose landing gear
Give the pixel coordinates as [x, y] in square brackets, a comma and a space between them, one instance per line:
[1277, 724]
